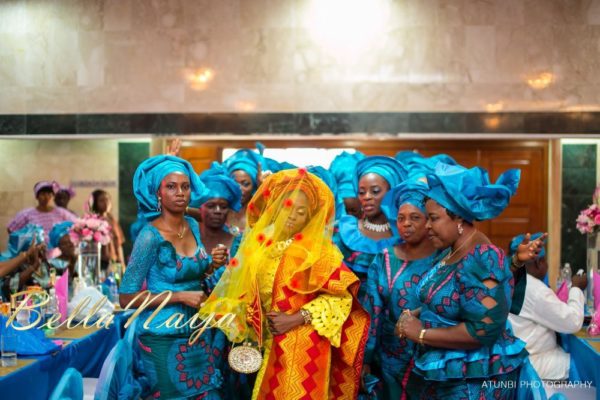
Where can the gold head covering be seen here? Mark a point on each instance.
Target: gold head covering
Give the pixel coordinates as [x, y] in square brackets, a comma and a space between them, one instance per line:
[308, 257]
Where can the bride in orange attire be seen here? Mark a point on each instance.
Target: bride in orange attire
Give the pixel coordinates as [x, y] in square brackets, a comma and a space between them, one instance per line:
[290, 292]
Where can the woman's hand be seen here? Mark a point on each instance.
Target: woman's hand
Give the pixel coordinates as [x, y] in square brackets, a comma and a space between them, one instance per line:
[36, 256]
[193, 299]
[529, 249]
[35, 251]
[280, 323]
[174, 147]
[408, 326]
[219, 255]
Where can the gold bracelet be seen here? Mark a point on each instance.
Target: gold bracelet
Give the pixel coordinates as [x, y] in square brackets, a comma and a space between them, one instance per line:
[422, 336]
[306, 315]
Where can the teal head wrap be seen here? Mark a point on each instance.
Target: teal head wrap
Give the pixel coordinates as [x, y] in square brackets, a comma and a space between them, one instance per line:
[222, 186]
[469, 193]
[342, 167]
[245, 160]
[21, 239]
[149, 175]
[388, 168]
[58, 231]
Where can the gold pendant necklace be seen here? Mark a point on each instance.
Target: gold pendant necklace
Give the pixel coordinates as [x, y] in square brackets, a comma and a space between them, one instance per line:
[443, 262]
[178, 234]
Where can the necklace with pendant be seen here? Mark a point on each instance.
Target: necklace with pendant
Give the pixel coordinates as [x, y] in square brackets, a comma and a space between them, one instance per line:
[178, 234]
[445, 259]
[280, 247]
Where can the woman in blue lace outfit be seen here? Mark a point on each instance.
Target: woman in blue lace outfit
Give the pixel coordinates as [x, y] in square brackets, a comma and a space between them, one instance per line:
[168, 255]
[360, 240]
[391, 288]
[466, 350]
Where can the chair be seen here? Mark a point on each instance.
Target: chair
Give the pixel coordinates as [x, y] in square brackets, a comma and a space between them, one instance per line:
[530, 386]
[70, 386]
[137, 365]
[116, 378]
[536, 390]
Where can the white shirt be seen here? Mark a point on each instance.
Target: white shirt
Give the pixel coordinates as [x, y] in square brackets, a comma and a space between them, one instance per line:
[542, 315]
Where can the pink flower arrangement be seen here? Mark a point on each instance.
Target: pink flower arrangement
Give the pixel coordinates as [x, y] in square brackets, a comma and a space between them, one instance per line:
[589, 219]
[90, 228]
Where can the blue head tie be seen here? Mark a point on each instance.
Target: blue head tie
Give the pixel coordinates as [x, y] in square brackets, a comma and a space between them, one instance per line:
[419, 167]
[406, 157]
[21, 239]
[469, 193]
[516, 241]
[149, 175]
[342, 167]
[410, 191]
[387, 167]
[58, 231]
[221, 186]
[244, 160]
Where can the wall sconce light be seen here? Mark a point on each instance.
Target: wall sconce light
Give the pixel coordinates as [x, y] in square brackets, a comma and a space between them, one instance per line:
[200, 78]
[541, 81]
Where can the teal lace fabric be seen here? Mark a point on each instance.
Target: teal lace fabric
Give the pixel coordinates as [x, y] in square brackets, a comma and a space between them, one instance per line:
[155, 262]
[176, 369]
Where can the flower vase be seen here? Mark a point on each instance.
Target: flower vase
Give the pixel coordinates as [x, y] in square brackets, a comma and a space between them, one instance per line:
[593, 259]
[88, 263]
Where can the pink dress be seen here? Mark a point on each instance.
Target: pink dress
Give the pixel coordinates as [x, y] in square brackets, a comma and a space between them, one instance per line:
[45, 219]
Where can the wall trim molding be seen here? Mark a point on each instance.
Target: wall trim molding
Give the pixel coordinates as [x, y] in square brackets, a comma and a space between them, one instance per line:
[397, 124]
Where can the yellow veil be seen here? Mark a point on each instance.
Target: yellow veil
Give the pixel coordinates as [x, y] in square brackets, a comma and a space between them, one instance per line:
[310, 255]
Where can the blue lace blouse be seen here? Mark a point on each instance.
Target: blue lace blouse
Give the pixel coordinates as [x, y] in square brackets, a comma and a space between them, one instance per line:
[155, 261]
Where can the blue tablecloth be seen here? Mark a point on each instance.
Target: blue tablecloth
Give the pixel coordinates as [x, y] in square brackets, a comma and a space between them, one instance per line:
[37, 380]
[585, 357]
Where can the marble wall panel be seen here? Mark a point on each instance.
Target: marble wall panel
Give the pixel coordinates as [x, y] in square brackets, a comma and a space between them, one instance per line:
[131, 56]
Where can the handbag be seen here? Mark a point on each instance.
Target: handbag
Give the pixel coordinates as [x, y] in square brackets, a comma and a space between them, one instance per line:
[245, 359]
